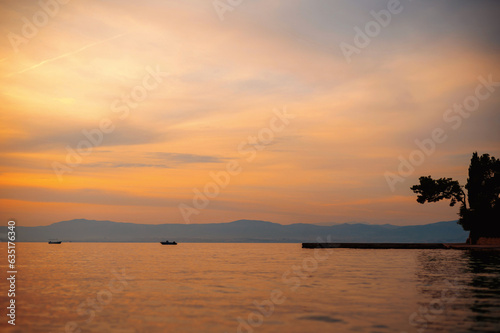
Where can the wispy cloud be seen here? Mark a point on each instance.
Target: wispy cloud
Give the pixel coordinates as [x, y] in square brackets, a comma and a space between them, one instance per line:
[186, 158]
[122, 165]
[161, 160]
[43, 62]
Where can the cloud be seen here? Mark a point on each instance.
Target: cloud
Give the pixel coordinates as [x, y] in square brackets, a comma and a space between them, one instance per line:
[161, 159]
[52, 136]
[122, 165]
[179, 158]
[83, 195]
[43, 62]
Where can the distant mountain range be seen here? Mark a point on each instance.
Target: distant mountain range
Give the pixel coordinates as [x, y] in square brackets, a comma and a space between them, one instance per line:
[242, 231]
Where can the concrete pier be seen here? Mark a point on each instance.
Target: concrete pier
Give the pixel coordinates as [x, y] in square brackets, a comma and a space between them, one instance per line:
[374, 245]
[454, 246]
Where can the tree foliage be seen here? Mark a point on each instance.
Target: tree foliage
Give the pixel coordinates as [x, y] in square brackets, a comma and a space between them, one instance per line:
[483, 188]
[433, 190]
[482, 216]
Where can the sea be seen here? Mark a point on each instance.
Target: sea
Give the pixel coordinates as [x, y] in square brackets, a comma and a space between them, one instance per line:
[207, 287]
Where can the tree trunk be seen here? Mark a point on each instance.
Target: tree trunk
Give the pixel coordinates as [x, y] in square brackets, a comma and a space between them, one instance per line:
[473, 237]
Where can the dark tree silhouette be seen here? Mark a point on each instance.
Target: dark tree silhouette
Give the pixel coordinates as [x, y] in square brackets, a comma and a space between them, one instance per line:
[431, 190]
[482, 217]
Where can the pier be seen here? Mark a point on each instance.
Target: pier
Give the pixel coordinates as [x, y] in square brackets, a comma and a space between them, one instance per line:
[454, 246]
[374, 245]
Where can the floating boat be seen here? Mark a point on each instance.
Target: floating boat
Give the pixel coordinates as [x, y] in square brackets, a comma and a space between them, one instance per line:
[55, 242]
[168, 243]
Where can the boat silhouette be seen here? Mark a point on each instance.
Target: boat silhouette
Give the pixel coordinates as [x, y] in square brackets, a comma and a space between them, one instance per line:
[168, 243]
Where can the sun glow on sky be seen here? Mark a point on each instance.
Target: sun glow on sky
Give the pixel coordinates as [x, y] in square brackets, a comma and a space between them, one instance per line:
[177, 94]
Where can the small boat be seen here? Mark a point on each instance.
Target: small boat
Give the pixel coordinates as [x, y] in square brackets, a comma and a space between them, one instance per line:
[55, 242]
[168, 243]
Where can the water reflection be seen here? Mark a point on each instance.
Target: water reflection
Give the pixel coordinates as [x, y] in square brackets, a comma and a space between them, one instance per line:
[459, 291]
[484, 269]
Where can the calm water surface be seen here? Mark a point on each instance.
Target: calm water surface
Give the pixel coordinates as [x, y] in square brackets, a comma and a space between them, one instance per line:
[107, 287]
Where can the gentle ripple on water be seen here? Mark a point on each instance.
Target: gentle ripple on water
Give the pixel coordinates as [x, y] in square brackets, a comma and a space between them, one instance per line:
[218, 288]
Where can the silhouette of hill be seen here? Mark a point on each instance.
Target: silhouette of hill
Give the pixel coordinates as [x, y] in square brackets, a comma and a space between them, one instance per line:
[246, 231]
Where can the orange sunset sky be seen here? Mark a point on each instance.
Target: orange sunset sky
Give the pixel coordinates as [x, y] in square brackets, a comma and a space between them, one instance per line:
[67, 68]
